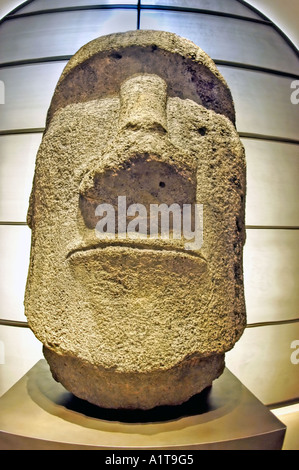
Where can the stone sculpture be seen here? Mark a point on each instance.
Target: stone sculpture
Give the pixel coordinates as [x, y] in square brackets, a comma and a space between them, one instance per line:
[130, 320]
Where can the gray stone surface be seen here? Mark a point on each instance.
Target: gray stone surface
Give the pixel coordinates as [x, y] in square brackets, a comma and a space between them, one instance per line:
[137, 322]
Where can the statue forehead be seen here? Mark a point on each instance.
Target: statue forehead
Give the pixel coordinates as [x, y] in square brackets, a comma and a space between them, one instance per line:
[99, 68]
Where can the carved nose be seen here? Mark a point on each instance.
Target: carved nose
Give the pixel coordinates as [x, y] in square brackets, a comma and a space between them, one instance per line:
[143, 104]
[144, 173]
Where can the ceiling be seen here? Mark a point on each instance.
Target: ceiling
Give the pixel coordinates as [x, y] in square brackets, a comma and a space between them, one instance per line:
[284, 13]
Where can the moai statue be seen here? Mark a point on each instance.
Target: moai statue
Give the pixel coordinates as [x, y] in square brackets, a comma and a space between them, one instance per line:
[132, 311]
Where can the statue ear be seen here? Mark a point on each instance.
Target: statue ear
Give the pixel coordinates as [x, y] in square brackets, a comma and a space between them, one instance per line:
[29, 218]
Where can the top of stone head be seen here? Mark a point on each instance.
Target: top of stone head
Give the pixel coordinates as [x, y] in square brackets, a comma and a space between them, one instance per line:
[98, 69]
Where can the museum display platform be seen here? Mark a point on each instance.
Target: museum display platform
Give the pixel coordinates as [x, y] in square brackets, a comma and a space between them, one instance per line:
[38, 413]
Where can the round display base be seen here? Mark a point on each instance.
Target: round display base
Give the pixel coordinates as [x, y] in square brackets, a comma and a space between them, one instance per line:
[38, 413]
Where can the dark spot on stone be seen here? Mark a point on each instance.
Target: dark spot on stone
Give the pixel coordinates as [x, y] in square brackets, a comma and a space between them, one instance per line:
[116, 55]
[237, 272]
[238, 224]
[235, 181]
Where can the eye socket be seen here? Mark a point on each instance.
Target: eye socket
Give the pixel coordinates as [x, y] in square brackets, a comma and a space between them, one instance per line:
[202, 130]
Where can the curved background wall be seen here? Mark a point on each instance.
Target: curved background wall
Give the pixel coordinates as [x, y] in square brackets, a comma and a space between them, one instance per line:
[260, 65]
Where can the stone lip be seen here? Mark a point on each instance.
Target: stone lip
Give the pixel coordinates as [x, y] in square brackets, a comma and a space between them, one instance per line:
[100, 66]
[119, 390]
[170, 246]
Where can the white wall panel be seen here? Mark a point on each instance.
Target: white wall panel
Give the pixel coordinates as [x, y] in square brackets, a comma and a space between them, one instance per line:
[272, 183]
[263, 103]
[28, 93]
[56, 34]
[224, 6]
[271, 266]
[261, 359]
[14, 255]
[17, 161]
[230, 39]
[39, 5]
[19, 351]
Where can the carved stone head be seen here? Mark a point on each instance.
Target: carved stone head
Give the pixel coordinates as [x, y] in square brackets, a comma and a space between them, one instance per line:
[135, 284]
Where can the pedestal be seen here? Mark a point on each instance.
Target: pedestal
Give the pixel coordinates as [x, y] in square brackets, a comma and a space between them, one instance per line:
[38, 413]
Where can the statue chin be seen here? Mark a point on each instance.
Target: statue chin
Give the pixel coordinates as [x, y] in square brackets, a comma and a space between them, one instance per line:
[110, 389]
[145, 359]
[147, 306]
